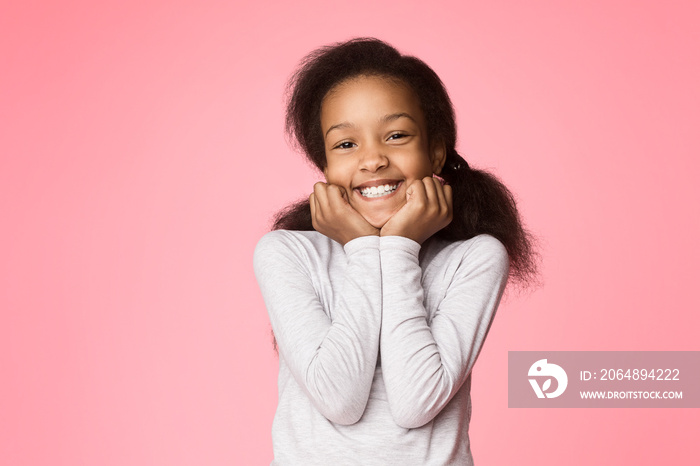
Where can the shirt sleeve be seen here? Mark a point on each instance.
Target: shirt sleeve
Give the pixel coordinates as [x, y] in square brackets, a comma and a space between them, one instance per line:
[332, 359]
[425, 364]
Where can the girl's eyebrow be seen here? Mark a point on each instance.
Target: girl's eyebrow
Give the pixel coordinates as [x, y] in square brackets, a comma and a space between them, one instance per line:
[384, 119]
[396, 116]
[345, 124]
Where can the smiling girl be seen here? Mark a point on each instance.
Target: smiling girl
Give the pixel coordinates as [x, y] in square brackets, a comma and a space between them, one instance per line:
[382, 286]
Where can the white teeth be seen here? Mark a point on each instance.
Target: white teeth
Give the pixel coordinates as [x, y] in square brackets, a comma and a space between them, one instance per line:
[378, 191]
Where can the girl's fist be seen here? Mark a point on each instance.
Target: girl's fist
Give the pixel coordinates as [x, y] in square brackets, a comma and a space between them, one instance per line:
[332, 214]
[428, 209]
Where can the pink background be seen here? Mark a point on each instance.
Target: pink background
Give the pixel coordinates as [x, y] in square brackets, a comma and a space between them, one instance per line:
[143, 154]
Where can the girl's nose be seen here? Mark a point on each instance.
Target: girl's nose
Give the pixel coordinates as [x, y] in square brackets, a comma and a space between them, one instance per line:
[373, 159]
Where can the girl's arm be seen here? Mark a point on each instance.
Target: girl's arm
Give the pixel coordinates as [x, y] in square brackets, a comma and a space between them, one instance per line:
[425, 364]
[332, 359]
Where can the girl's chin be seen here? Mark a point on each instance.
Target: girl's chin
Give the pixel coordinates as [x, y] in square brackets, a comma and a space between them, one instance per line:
[376, 220]
[378, 224]
[375, 216]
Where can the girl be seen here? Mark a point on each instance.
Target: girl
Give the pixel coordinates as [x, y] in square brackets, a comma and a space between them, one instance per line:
[382, 286]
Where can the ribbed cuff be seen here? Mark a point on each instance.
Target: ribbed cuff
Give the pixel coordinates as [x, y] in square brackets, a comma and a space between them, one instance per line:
[400, 243]
[360, 243]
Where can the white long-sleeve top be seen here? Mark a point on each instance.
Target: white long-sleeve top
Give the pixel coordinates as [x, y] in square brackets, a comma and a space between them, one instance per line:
[377, 340]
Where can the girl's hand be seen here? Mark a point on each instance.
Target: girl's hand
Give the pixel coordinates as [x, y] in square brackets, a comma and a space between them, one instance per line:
[333, 216]
[428, 209]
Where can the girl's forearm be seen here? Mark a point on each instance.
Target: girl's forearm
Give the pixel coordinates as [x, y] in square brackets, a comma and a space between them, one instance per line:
[332, 353]
[425, 364]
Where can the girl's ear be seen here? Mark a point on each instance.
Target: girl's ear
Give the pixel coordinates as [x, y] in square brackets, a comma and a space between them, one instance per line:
[438, 154]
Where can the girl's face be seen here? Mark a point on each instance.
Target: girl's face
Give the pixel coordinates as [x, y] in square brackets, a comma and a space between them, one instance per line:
[376, 144]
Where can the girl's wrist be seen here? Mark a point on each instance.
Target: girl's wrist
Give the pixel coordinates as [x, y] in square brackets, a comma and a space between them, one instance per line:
[359, 235]
[401, 234]
[361, 242]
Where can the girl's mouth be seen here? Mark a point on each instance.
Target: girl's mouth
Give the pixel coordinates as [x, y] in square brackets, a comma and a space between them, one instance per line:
[378, 192]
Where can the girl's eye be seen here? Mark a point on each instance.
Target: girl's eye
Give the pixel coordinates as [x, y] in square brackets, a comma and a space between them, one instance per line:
[344, 145]
[397, 136]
